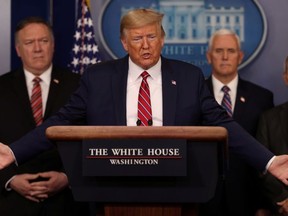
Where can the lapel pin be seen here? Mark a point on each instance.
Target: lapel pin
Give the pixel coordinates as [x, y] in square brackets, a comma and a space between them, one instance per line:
[56, 81]
[242, 99]
[173, 82]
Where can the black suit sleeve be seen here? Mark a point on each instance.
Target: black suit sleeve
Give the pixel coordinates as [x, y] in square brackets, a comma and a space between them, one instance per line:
[273, 189]
[5, 175]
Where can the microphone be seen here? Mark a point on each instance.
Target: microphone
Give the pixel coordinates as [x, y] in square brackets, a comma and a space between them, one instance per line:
[150, 122]
[138, 122]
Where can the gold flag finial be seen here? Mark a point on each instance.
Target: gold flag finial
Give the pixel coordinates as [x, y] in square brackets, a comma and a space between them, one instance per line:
[88, 3]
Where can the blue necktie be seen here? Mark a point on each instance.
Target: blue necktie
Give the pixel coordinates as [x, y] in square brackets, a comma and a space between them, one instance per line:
[226, 101]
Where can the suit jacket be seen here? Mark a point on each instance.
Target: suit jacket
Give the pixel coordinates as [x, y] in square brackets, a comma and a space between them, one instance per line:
[16, 119]
[101, 100]
[272, 133]
[251, 101]
[242, 195]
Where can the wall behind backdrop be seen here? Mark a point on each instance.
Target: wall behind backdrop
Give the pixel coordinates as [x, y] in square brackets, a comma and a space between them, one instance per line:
[266, 69]
[5, 34]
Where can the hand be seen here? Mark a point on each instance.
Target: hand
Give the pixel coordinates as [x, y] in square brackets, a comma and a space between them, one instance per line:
[279, 168]
[263, 212]
[56, 181]
[22, 185]
[6, 156]
[283, 210]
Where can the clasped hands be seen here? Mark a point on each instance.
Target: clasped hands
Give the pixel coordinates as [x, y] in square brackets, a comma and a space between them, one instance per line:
[40, 186]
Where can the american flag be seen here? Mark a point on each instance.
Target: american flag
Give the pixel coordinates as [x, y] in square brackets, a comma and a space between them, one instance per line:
[85, 51]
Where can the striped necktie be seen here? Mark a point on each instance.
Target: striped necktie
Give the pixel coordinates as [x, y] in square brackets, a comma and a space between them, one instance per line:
[36, 101]
[144, 103]
[226, 101]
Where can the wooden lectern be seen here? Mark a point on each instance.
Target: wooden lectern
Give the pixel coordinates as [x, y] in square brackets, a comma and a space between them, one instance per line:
[205, 157]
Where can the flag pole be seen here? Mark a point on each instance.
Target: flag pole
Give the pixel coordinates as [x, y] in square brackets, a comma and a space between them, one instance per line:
[85, 49]
[51, 12]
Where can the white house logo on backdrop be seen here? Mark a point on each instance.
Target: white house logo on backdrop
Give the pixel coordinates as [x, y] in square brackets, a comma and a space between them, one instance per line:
[189, 24]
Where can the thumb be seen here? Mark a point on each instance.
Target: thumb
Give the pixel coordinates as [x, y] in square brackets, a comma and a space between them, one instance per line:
[31, 176]
[45, 175]
[281, 203]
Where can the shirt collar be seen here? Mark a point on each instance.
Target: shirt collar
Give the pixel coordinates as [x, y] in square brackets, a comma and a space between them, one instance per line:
[135, 71]
[217, 85]
[45, 76]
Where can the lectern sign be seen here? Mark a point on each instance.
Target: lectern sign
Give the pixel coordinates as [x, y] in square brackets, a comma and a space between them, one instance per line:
[135, 157]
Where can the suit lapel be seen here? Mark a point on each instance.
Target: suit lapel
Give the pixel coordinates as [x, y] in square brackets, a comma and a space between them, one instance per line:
[119, 90]
[240, 101]
[53, 91]
[169, 91]
[210, 85]
[284, 121]
[20, 89]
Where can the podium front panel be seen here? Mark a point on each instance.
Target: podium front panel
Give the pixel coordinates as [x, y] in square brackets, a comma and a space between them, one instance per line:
[134, 157]
[198, 186]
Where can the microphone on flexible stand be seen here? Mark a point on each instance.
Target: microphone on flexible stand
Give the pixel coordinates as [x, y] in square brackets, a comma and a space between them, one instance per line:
[150, 122]
[138, 122]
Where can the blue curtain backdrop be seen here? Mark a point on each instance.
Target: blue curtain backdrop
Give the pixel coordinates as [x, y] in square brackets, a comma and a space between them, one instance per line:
[265, 70]
[63, 20]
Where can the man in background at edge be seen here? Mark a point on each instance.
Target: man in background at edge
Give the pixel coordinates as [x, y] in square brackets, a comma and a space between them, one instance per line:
[272, 133]
[39, 186]
[179, 97]
[248, 101]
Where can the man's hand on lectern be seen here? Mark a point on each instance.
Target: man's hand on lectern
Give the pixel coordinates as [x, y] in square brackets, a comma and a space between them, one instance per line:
[6, 156]
[279, 168]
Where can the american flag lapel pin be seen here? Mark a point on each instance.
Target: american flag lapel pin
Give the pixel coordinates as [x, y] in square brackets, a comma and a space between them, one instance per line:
[56, 81]
[173, 82]
[242, 99]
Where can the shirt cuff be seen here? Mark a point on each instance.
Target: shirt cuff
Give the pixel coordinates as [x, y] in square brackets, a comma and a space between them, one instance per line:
[15, 161]
[7, 185]
[268, 164]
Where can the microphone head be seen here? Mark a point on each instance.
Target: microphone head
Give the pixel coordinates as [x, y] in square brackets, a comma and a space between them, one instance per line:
[150, 122]
[138, 122]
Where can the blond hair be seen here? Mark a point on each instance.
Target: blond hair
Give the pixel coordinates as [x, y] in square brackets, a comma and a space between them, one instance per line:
[140, 17]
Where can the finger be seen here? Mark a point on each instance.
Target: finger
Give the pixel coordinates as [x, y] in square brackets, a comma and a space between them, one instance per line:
[38, 187]
[281, 203]
[32, 177]
[32, 199]
[45, 174]
[37, 192]
[39, 184]
[285, 181]
[41, 196]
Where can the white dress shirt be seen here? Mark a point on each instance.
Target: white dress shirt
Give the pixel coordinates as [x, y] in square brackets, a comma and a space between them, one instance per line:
[155, 85]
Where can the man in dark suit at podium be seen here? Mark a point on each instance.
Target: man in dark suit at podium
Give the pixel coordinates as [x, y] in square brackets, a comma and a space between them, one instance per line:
[108, 95]
[39, 186]
[248, 101]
